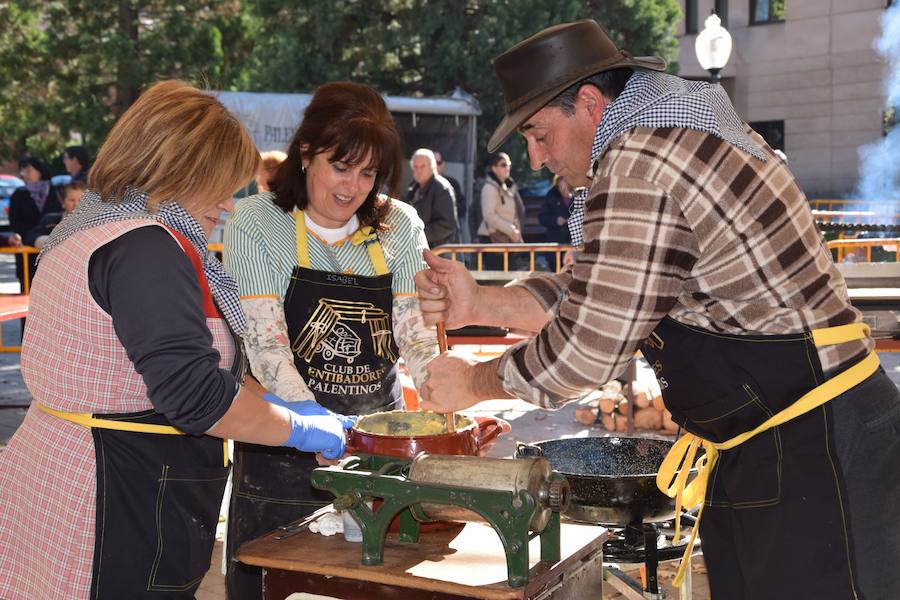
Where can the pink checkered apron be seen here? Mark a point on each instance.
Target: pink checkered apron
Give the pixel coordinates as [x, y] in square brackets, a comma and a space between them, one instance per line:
[72, 361]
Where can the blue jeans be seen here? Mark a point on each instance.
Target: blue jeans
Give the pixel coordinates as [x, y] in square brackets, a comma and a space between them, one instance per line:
[867, 440]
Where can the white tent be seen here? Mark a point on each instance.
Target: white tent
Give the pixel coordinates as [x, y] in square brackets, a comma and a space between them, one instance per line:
[446, 124]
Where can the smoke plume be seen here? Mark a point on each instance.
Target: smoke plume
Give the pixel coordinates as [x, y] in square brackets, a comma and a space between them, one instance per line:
[879, 163]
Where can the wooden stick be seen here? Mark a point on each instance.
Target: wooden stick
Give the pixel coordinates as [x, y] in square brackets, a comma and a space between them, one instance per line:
[442, 346]
[442, 337]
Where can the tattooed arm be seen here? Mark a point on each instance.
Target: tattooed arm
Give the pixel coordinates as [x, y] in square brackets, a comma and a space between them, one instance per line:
[417, 341]
[269, 349]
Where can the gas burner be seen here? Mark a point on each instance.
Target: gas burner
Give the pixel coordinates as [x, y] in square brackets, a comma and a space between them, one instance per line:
[647, 544]
[628, 545]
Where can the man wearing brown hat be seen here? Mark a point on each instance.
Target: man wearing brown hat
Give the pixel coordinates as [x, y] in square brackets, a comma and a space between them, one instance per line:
[699, 249]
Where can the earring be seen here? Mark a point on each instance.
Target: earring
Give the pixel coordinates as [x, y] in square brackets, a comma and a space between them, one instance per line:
[303, 169]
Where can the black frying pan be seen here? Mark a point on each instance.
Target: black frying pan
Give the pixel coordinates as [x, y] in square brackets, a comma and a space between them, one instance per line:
[612, 479]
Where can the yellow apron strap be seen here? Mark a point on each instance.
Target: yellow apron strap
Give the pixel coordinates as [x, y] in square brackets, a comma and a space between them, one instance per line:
[88, 420]
[829, 336]
[302, 245]
[816, 397]
[376, 255]
[671, 481]
[364, 235]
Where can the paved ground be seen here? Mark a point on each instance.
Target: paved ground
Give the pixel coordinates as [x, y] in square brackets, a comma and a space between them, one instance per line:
[529, 424]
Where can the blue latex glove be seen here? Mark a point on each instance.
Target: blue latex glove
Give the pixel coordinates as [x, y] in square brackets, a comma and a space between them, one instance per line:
[317, 433]
[310, 408]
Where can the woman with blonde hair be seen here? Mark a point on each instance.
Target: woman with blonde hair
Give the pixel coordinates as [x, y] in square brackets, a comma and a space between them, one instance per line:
[112, 485]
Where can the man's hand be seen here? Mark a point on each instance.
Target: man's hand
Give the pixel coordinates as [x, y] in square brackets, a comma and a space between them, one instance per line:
[447, 292]
[448, 387]
[457, 381]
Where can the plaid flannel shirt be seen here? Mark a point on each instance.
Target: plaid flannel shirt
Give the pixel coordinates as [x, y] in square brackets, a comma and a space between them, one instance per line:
[682, 223]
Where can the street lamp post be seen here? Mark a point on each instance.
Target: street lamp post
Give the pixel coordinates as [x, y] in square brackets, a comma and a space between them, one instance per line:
[713, 47]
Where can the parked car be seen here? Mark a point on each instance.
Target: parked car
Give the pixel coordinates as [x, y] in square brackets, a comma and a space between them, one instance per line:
[8, 184]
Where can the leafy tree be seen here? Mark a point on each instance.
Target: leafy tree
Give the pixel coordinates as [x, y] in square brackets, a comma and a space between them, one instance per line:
[429, 47]
[21, 93]
[71, 66]
[76, 65]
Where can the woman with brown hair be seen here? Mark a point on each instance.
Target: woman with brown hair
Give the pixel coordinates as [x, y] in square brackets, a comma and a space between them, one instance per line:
[501, 205]
[502, 210]
[28, 205]
[325, 267]
[112, 485]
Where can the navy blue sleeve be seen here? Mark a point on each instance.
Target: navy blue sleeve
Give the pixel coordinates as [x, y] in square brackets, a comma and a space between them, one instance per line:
[20, 217]
[146, 283]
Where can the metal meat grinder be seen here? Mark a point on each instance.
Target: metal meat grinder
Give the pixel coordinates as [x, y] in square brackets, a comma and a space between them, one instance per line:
[520, 498]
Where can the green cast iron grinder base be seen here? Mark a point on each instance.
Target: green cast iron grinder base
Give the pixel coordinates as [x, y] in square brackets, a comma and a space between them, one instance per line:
[363, 476]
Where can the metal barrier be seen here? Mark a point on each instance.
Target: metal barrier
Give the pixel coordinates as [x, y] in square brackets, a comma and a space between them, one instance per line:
[456, 251]
[479, 250]
[841, 247]
[855, 217]
[25, 251]
[853, 203]
[855, 211]
[558, 250]
[15, 306]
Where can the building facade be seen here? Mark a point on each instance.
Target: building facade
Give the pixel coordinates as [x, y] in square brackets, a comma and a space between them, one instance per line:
[806, 75]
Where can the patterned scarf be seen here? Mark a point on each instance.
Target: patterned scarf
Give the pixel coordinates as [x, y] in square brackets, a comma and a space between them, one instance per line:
[39, 191]
[657, 100]
[92, 211]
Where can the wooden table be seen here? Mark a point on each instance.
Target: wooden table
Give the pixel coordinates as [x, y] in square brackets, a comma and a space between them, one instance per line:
[465, 562]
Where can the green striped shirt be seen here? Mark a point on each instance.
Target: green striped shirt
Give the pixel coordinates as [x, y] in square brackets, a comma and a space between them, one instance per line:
[261, 251]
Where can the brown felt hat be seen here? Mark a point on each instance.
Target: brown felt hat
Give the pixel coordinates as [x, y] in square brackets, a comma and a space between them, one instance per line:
[538, 69]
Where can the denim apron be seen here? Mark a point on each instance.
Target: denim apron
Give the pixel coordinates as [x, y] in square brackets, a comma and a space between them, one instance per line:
[774, 516]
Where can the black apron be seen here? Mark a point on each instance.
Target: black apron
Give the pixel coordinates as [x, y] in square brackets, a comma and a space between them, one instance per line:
[774, 522]
[340, 331]
[158, 493]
